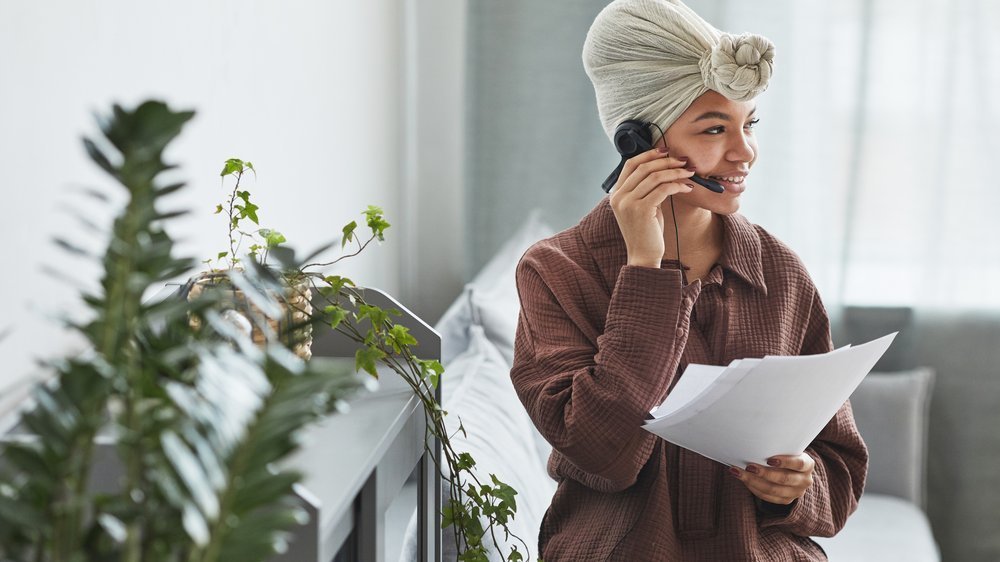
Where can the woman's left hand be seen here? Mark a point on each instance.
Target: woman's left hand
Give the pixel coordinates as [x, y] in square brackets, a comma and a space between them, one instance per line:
[785, 480]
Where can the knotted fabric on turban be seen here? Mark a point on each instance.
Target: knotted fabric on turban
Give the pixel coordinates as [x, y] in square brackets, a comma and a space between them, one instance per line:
[650, 59]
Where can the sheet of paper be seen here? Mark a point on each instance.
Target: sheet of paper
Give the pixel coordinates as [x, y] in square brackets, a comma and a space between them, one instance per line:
[693, 381]
[698, 380]
[755, 409]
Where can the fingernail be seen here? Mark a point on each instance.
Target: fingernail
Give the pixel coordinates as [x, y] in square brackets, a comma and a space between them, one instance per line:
[663, 150]
[774, 462]
[752, 469]
[690, 168]
[734, 471]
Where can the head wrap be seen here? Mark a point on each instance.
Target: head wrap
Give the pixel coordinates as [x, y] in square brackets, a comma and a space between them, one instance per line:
[650, 59]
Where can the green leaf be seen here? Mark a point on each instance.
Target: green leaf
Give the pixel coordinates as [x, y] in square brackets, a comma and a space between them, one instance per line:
[505, 493]
[376, 222]
[272, 238]
[218, 209]
[221, 255]
[248, 211]
[465, 461]
[366, 357]
[349, 232]
[431, 370]
[335, 315]
[337, 282]
[232, 166]
[251, 211]
[476, 554]
[399, 337]
[374, 314]
[448, 515]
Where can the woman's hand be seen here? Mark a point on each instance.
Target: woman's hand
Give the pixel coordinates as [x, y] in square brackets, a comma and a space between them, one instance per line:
[784, 481]
[645, 182]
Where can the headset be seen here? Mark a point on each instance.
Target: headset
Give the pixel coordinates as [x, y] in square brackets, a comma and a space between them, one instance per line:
[633, 137]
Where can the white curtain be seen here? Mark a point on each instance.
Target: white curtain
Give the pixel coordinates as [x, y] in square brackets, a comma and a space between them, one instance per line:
[880, 145]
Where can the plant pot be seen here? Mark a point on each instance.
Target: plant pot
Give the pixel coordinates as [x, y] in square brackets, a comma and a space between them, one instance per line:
[292, 327]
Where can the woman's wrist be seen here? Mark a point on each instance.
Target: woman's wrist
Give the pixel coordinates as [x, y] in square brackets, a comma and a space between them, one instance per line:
[644, 262]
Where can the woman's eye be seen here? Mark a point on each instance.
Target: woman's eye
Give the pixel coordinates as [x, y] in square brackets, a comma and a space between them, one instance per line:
[719, 129]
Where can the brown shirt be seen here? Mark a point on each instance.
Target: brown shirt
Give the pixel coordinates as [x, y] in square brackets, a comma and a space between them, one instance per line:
[599, 343]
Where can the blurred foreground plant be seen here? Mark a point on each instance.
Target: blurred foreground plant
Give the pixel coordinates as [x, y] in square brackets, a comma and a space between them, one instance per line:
[202, 417]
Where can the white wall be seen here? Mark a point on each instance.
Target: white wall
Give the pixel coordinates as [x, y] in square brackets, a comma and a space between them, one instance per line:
[310, 91]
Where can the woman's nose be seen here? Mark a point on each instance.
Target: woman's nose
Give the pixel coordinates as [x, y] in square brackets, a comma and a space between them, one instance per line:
[742, 148]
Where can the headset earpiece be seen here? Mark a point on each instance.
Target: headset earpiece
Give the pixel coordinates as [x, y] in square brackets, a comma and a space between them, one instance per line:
[632, 137]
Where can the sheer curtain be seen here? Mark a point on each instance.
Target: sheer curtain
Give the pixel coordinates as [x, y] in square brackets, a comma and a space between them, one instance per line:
[879, 152]
[879, 137]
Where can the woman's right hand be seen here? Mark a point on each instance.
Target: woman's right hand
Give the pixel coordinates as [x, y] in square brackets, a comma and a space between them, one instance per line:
[646, 181]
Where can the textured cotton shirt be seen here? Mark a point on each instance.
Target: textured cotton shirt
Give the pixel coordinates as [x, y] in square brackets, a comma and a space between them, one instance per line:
[600, 343]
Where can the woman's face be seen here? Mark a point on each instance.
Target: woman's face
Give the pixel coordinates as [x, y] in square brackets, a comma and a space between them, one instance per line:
[716, 137]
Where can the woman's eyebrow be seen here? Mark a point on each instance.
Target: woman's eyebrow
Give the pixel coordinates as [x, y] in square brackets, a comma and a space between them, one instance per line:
[720, 115]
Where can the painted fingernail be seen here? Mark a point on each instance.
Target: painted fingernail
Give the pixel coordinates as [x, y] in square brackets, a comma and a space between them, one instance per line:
[752, 469]
[773, 462]
[690, 168]
[663, 150]
[734, 471]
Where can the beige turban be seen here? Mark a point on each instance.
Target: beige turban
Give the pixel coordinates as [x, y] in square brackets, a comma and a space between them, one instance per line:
[650, 59]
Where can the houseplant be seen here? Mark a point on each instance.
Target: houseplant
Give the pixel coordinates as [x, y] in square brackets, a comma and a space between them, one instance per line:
[201, 471]
[342, 307]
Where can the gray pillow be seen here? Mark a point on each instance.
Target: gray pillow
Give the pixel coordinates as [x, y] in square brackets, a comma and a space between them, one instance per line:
[891, 413]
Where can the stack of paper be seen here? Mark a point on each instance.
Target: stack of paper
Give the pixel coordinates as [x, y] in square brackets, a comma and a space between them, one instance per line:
[757, 408]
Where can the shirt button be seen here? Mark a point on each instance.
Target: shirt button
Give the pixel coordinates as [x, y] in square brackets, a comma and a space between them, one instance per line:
[729, 291]
[687, 302]
[680, 332]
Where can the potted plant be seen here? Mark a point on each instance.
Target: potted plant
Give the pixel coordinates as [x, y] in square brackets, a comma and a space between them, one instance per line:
[476, 509]
[200, 480]
[293, 326]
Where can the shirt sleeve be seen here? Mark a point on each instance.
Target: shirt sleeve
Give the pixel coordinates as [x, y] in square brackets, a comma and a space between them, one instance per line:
[588, 391]
[840, 454]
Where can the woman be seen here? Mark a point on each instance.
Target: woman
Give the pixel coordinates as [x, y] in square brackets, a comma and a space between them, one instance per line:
[661, 274]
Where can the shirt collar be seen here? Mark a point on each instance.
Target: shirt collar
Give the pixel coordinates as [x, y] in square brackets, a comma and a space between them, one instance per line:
[741, 253]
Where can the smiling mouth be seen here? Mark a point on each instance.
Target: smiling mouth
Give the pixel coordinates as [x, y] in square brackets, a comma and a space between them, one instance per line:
[736, 180]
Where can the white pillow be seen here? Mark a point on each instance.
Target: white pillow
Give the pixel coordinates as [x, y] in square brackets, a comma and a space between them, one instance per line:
[491, 297]
[496, 309]
[498, 435]
[454, 326]
[491, 301]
